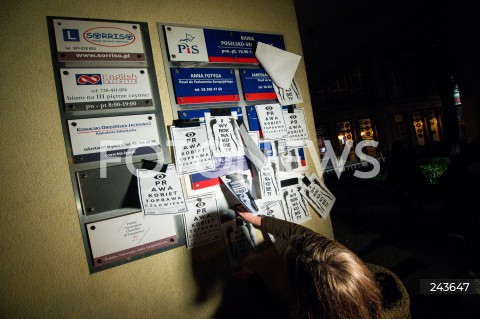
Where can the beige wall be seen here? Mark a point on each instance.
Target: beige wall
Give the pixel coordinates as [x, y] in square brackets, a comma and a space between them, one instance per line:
[43, 269]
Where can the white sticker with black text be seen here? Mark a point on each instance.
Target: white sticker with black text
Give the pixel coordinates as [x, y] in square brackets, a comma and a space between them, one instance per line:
[192, 151]
[161, 192]
[202, 221]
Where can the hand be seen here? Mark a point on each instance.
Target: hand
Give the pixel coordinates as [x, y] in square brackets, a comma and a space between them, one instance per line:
[247, 216]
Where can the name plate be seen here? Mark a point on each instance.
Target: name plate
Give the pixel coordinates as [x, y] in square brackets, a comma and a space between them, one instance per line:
[237, 46]
[211, 45]
[123, 237]
[209, 85]
[79, 40]
[109, 137]
[257, 85]
[103, 89]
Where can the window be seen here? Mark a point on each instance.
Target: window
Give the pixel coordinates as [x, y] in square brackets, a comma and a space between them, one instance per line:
[358, 80]
[339, 85]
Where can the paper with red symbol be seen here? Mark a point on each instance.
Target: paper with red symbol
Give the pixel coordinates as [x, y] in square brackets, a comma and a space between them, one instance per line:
[105, 89]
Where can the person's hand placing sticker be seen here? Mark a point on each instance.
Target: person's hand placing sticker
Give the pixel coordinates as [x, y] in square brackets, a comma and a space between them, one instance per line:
[245, 215]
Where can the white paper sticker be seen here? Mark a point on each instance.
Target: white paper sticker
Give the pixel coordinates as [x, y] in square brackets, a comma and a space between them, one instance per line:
[280, 65]
[98, 89]
[116, 135]
[252, 149]
[186, 44]
[289, 96]
[297, 128]
[130, 235]
[202, 221]
[269, 185]
[297, 210]
[271, 121]
[224, 136]
[291, 161]
[240, 240]
[192, 149]
[273, 209]
[317, 195]
[161, 193]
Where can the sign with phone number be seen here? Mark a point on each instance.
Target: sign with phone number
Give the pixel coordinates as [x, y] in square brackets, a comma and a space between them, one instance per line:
[237, 46]
[209, 85]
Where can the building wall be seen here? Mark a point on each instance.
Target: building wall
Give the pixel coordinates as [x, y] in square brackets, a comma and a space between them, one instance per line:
[44, 271]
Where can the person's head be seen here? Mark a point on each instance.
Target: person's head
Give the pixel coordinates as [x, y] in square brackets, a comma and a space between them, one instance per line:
[330, 281]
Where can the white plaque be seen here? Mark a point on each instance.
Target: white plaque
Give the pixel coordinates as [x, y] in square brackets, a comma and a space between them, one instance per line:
[192, 149]
[271, 121]
[79, 40]
[202, 221]
[98, 89]
[161, 192]
[186, 44]
[130, 235]
[118, 136]
[289, 96]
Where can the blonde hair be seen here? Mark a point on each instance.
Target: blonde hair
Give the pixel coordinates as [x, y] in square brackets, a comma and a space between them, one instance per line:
[330, 281]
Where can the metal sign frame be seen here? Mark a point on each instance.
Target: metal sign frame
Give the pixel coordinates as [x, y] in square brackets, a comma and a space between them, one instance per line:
[176, 108]
[87, 193]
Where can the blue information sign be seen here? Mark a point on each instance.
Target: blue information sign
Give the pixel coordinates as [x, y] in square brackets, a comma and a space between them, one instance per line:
[206, 85]
[237, 46]
[257, 85]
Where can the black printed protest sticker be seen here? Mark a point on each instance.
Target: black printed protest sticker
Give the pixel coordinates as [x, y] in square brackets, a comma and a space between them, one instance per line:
[240, 240]
[269, 185]
[160, 193]
[224, 136]
[297, 210]
[191, 148]
[202, 221]
[288, 96]
[297, 128]
[317, 195]
[271, 121]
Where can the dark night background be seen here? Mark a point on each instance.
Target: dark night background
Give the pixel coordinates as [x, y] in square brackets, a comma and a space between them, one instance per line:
[417, 228]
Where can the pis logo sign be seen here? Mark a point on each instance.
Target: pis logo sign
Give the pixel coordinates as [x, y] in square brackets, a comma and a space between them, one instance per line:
[186, 45]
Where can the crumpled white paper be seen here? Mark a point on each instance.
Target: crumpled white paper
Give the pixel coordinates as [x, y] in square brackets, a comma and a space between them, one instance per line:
[280, 65]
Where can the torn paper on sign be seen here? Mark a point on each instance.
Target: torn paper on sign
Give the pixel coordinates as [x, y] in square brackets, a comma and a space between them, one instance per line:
[290, 95]
[280, 65]
[252, 150]
[317, 195]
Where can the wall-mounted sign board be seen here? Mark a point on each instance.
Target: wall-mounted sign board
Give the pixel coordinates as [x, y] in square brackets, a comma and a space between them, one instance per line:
[127, 236]
[105, 89]
[204, 85]
[193, 49]
[96, 139]
[110, 109]
[81, 40]
[212, 45]
[257, 85]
